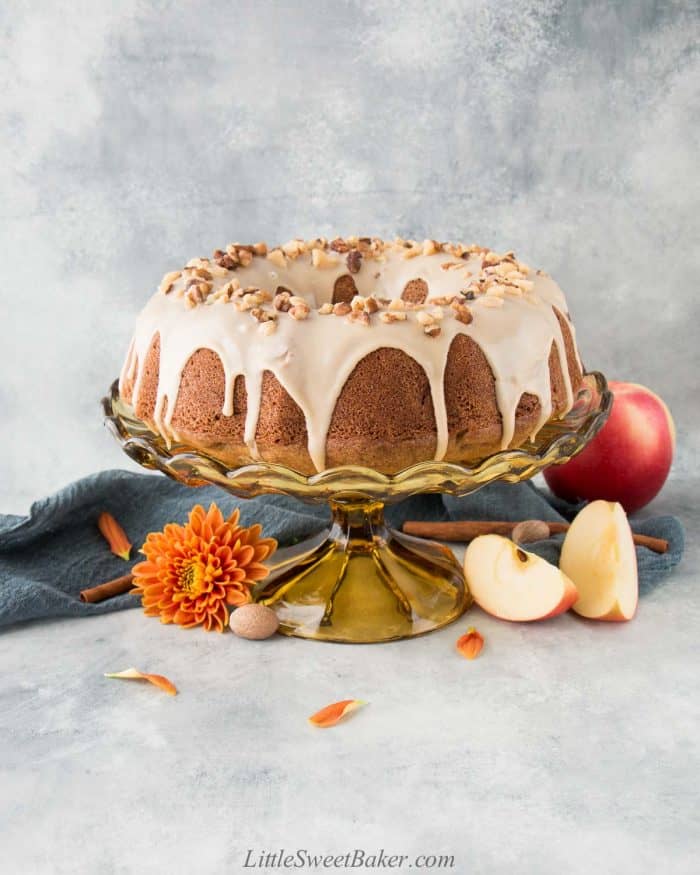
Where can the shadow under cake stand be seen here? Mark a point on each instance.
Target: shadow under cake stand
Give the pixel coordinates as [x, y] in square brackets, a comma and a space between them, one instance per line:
[360, 581]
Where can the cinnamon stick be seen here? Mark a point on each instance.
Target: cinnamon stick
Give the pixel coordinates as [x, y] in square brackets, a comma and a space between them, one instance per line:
[107, 590]
[467, 530]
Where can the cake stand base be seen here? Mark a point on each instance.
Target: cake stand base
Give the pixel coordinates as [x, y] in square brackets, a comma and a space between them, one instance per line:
[364, 582]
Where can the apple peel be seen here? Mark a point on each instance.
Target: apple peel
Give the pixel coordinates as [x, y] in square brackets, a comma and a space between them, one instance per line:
[133, 674]
[334, 713]
[470, 644]
[115, 535]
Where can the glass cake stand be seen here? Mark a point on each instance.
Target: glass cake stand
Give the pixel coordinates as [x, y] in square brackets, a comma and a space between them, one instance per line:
[360, 581]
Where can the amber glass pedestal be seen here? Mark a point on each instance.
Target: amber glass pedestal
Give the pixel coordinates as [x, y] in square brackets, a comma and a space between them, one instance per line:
[365, 582]
[362, 582]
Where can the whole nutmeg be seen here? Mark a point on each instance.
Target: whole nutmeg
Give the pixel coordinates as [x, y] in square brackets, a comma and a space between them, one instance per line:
[530, 530]
[254, 622]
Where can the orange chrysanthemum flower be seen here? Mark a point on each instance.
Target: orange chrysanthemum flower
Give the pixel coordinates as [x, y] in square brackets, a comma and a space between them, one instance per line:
[192, 573]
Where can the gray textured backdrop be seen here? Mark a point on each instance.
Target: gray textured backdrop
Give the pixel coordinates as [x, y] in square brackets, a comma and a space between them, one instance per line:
[137, 134]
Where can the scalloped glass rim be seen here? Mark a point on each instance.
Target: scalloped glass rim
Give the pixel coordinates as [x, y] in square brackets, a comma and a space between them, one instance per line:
[557, 442]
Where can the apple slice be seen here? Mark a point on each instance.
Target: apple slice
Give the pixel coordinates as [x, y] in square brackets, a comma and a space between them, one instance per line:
[512, 584]
[598, 555]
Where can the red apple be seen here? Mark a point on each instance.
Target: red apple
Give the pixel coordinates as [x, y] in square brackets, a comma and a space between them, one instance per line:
[628, 460]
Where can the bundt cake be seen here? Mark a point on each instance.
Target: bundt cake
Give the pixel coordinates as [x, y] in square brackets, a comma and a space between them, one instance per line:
[353, 351]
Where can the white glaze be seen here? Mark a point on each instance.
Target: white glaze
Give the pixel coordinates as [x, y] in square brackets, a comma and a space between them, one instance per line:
[313, 358]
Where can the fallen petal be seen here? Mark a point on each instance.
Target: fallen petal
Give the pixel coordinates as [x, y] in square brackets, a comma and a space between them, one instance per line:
[332, 714]
[115, 535]
[470, 644]
[134, 674]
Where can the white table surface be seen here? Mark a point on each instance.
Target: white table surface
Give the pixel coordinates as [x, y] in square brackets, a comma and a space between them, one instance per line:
[568, 746]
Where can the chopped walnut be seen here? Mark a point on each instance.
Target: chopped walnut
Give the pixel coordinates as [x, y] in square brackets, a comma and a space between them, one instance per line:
[267, 328]
[360, 317]
[325, 309]
[339, 245]
[424, 318]
[389, 316]
[229, 262]
[397, 304]
[371, 305]
[260, 248]
[432, 330]
[294, 248]
[282, 302]
[463, 314]
[300, 311]
[277, 257]
[245, 257]
[320, 260]
[342, 308]
[168, 281]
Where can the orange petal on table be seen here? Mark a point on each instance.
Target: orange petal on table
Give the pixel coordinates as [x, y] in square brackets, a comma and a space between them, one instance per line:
[115, 535]
[133, 674]
[332, 714]
[470, 645]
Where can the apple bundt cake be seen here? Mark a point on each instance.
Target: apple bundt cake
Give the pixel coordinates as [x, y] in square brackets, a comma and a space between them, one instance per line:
[354, 351]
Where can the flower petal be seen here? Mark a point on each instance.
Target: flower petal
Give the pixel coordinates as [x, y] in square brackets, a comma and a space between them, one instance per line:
[115, 535]
[157, 680]
[470, 644]
[332, 714]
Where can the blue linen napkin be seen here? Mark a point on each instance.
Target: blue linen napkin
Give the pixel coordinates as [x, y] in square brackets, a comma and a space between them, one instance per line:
[48, 557]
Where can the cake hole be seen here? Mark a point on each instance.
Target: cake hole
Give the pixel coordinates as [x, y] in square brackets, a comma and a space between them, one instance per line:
[415, 291]
[344, 289]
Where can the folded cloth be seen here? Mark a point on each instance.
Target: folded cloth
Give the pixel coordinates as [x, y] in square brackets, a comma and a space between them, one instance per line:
[48, 557]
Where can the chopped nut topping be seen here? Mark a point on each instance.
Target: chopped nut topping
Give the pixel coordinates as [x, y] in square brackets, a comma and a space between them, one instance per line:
[267, 328]
[413, 250]
[217, 271]
[430, 247]
[462, 313]
[360, 317]
[424, 318]
[432, 330]
[168, 281]
[245, 257]
[371, 305]
[325, 309]
[282, 301]
[339, 245]
[342, 308]
[276, 256]
[229, 262]
[300, 311]
[293, 248]
[298, 301]
[260, 248]
[436, 313]
[320, 260]
[392, 316]
[357, 303]
[397, 304]
[354, 260]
